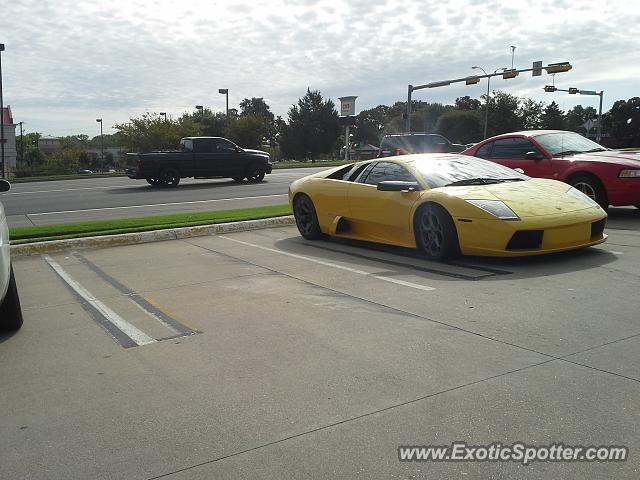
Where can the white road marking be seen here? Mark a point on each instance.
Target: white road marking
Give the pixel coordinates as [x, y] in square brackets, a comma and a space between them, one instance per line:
[138, 336]
[616, 253]
[155, 205]
[334, 265]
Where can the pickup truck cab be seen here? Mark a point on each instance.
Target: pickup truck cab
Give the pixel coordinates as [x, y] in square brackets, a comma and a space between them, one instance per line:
[199, 157]
[10, 311]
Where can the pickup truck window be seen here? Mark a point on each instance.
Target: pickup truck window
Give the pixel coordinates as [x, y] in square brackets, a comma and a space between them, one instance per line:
[225, 146]
[186, 145]
[204, 145]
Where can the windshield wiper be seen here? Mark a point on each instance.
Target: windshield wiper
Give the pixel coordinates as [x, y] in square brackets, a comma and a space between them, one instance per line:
[567, 152]
[476, 181]
[600, 149]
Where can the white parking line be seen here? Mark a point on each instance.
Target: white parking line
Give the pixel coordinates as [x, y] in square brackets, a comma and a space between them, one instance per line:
[155, 205]
[335, 265]
[138, 336]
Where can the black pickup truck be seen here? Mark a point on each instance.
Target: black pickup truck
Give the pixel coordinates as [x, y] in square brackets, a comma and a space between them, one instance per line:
[199, 157]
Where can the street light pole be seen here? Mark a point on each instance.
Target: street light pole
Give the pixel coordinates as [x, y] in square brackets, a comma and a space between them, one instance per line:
[225, 91]
[599, 133]
[1, 113]
[21, 144]
[99, 120]
[164, 114]
[486, 109]
[201, 108]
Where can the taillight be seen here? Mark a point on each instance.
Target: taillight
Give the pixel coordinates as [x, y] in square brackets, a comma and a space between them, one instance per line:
[398, 151]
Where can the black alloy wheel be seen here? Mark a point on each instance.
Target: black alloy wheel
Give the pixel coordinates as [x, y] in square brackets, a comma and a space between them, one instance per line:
[306, 218]
[255, 173]
[170, 178]
[436, 234]
[154, 182]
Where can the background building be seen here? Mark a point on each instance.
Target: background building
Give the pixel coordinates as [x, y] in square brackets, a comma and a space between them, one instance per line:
[10, 152]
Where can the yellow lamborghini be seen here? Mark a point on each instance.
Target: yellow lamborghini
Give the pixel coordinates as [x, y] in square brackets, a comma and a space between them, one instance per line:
[446, 204]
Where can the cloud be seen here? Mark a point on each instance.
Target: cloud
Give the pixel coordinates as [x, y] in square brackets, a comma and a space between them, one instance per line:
[69, 62]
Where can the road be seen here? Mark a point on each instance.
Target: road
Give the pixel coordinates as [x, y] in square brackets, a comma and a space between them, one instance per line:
[258, 355]
[41, 203]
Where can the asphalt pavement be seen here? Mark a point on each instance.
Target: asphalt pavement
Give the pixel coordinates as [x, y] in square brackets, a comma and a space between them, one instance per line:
[42, 203]
[258, 355]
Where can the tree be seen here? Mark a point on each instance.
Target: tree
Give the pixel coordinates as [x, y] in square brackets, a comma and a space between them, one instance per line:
[151, 132]
[625, 123]
[503, 113]
[248, 131]
[552, 117]
[530, 113]
[467, 103]
[371, 125]
[575, 118]
[256, 107]
[312, 129]
[462, 126]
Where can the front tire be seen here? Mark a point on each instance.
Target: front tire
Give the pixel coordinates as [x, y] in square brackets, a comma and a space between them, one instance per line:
[255, 173]
[10, 311]
[169, 178]
[306, 218]
[591, 187]
[154, 182]
[436, 233]
[238, 179]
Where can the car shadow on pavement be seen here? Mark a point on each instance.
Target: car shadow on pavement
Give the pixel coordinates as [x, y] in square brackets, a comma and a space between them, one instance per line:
[483, 268]
[204, 185]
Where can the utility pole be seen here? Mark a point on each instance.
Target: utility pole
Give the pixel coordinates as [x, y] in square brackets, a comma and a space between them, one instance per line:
[1, 113]
[21, 143]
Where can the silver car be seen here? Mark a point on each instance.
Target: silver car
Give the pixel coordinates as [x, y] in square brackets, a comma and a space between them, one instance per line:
[10, 311]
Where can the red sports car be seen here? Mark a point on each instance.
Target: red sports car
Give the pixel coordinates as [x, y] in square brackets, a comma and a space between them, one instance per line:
[609, 177]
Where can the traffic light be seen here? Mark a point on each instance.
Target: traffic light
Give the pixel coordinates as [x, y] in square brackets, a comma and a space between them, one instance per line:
[509, 74]
[549, 88]
[472, 80]
[558, 67]
[573, 90]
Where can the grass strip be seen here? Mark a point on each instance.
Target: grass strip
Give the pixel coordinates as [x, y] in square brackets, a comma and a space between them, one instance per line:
[41, 233]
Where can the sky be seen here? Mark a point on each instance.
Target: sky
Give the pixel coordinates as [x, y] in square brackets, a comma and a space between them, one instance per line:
[67, 63]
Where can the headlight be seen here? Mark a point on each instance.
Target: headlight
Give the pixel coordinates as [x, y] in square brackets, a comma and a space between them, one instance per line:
[575, 193]
[629, 173]
[496, 208]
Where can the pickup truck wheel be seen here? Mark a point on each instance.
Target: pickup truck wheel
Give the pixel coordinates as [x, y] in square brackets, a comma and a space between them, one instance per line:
[255, 173]
[154, 182]
[10, 311]
[170, 178]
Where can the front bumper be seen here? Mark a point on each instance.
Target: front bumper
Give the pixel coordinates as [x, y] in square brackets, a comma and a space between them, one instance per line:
[269, 167]
[133, 173]
[494, 237]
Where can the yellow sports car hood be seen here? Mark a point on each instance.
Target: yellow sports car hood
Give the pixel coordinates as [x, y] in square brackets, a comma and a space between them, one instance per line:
[530, 198]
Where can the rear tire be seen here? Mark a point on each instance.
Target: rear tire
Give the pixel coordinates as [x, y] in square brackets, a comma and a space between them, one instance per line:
[591, 187]
[436, 234]
[255, 173]
[306, 218]
[10, 311]
[169, 178]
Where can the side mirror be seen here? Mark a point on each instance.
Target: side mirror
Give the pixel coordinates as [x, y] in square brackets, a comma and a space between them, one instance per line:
[533, 156]
[398, 186]
[4, 186]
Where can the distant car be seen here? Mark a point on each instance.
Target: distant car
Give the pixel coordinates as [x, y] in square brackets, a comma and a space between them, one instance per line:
[10, 311]
[199, 157]
[609, 177]
[83, 171]
[446, 204]
[409, 143]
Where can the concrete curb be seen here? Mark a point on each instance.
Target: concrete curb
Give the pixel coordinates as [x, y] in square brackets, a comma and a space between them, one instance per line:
[146, 237]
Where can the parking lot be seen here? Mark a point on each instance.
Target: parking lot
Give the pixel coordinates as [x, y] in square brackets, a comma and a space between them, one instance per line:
[261, 355]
